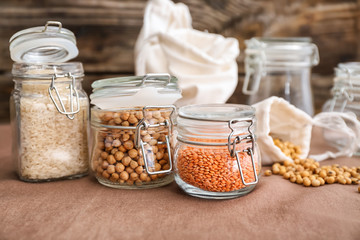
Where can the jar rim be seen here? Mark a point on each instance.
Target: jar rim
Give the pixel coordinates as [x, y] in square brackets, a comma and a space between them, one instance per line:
[216, 112]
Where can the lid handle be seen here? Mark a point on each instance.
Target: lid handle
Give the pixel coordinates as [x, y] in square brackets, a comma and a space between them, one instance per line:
[55, 23]
[158, 76]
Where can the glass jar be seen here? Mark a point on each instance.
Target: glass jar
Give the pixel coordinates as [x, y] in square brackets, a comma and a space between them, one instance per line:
[132, 145]
[216, 155]
[280, 67]
[345, 97]
[346, 89]
[48, 107]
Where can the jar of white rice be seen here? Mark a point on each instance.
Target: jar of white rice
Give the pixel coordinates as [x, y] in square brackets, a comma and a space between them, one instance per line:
[48, 106]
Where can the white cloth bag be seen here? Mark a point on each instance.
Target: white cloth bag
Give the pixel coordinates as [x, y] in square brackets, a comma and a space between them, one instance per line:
[204, 63]
[277, 118]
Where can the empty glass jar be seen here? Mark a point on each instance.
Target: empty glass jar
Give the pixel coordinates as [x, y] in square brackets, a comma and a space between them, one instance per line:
[216, 155]
[345, 96]
[280, 67]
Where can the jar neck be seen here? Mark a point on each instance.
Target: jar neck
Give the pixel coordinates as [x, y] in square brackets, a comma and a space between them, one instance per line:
[213, 131]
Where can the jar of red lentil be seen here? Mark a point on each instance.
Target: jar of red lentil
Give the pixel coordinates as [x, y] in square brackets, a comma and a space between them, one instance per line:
[216, 155]
[132, 124]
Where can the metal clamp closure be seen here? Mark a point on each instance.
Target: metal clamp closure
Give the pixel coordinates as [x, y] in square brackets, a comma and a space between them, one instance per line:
[234, 153]
[70, 114]
[143, 125]
[56, 23]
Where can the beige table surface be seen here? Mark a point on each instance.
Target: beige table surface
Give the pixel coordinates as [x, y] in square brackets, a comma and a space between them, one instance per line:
[84, 209]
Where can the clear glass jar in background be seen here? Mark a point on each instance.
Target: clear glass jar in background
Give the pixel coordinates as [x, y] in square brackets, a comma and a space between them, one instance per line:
[346, 89]
[132, 131]
[280, 67]
[345, 96]
[48, 107]
[216, 155]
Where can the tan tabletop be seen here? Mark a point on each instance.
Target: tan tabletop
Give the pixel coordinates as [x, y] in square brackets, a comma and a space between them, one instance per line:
[84, 209]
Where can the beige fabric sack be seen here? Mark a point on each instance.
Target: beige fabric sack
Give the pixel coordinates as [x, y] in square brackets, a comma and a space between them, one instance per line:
[204, 63]
[277, 118]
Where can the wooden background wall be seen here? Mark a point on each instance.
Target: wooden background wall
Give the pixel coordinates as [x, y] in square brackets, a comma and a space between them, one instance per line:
[106, 31]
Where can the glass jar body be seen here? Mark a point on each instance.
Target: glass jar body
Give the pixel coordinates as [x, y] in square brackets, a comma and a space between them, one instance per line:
[345, 98]
[280, 67]
[292, 84]
[132, 147]
[210, 172]
[47, 145]
[216, 153]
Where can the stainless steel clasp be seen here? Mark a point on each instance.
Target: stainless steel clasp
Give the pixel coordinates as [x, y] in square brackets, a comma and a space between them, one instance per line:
[147, 151]
[233, 141]
[52, 88]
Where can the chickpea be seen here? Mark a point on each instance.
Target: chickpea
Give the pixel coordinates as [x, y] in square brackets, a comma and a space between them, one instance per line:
[154, 177]
[348, 180]
[116, 143]
[275, 170]
[129, 145]
[305, 174]
[330, 180]
[125, 137]
[282, 170]
[114, 177]
[141, 161]
[342, 181]
[119, 167]
[129, 170]
[321, 180]
[111, 159]
[110, 169]
[299, 179]
[354, 181]
[125, 116]
[117, 121]
[293, 179]
[286, 175]
[119, 155]
[104, 155]
[306, 182]
[157, 167]
[134, 176]
[132, 119]
[133, 164]
[126, 160]
[287, 163]
[266, 173]
[104, 164]
[143, 177]
[107, 116]
[139, 115]
[315, 183]
[124, 175]
[122, 149]
[133, 153]
[146, 138]
[105, 174]
[323, 173]
[166, 166]
[159, 155]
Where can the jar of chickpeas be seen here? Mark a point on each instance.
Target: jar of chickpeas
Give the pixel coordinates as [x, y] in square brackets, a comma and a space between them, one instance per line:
[132, 122]
[216, 154]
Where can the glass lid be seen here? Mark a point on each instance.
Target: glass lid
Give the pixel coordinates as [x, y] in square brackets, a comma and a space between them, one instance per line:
[151, 89]
[46, 44]
[216, 112]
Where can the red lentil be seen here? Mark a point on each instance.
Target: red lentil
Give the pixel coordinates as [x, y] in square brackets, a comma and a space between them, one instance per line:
[214, 169]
